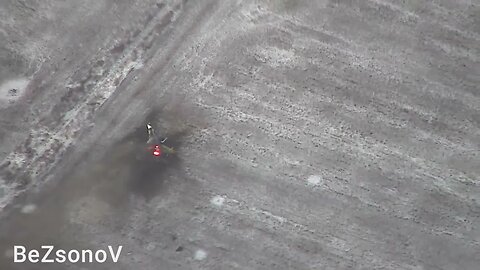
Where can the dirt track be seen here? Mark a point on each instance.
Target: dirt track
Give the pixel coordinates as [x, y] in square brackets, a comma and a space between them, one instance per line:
[310, 134]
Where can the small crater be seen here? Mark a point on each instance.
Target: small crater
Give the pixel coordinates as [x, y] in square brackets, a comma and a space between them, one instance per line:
[179, 249]
[217, 200]
[12, 90]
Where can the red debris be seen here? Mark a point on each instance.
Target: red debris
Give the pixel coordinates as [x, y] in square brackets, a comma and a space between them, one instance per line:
[156, 150]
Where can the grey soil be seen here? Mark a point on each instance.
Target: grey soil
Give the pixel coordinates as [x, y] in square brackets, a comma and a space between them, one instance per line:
[310, 134]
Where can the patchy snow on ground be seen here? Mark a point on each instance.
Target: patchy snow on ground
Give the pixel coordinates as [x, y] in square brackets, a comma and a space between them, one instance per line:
[200, 255]
[314, 180]
[7, 193]
[275, 57]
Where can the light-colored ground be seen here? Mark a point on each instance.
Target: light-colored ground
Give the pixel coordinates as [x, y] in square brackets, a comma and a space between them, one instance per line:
[310, 134]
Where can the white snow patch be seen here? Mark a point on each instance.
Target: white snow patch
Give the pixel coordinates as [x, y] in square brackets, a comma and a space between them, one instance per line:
[314, 180]
[260, 215]
[29, 208]
[217, 200]
[200, 255]
[269, 215]
[275, 57]
[7, 193]
[291, 162]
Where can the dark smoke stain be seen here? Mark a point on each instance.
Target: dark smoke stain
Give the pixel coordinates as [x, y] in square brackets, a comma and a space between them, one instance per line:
[146, 174]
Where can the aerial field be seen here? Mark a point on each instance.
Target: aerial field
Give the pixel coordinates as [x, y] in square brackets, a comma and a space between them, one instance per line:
[308, 134]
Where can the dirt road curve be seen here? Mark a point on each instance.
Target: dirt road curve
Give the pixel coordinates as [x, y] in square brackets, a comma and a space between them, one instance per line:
[310, 134]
